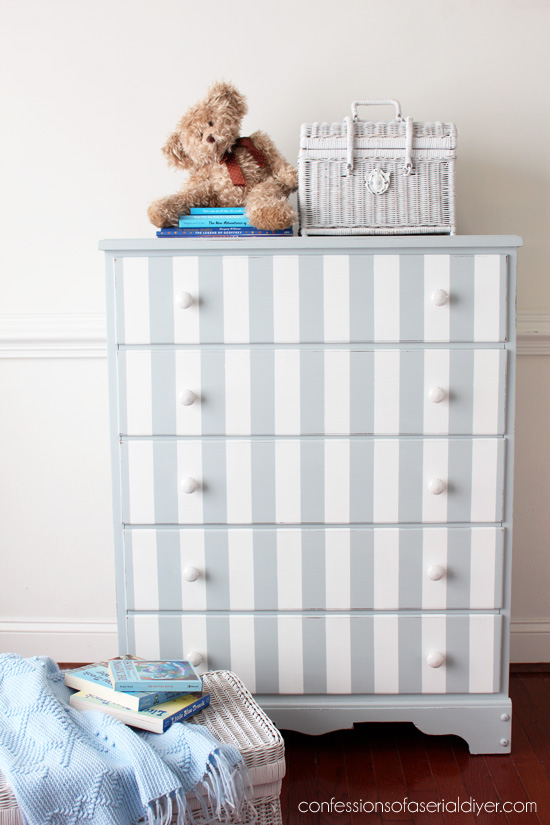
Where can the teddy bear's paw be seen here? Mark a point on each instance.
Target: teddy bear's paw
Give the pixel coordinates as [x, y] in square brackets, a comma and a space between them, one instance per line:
[272, 216]
[161, 215]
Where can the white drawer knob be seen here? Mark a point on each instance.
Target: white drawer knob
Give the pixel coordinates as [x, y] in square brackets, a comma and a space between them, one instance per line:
[191, 573]
[435, 572]
[435, 658]
[189, 484]
[439, 297]
[437, 394]
[194, 658]
[187, 398]
[436, 486]
[184, 300]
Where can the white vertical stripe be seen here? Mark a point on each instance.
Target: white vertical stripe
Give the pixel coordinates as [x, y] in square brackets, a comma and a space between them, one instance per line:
[434, 551]
[436, 374]
[386, 391]
[386, 654]
[484, 480]
[137, 329]
[338, 653]
[338, 569]
[386, 298]
[482, 653]
[287, 482]
[337, 392]
[241, 642]
[486, 390]
[236, 317]
[483, 568]
[139, 404]
[241, 569]
[434, 640]
[189, 463]
[336, 297]
[193, 629]
[287, 392]
[337, 481]
[435, 465]
[289, 569]
[185, 278]
[145, 570]
[141, 493]
[188, 377]
[487, 298]
[291, 654]
[146, 630]
[286, 299]
[437, 275]
[192, 554]
[239, 482]
[386, 569]
[237, 392]
[386, 480]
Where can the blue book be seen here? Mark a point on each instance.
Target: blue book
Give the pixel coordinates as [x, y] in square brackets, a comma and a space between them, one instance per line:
[219, 232]
[95, 679]
[151, 676]
[217, 210]
[204, 221]
[156, 719]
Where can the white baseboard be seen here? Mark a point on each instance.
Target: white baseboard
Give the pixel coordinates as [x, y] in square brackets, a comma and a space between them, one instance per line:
[530, 640]
[64, 640]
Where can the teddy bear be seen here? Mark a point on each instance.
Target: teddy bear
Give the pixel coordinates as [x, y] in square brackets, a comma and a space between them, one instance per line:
[224, 168]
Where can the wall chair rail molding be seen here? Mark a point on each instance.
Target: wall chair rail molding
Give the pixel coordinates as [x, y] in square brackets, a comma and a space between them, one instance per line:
[533, 332]
[66, 640]
[50, 335]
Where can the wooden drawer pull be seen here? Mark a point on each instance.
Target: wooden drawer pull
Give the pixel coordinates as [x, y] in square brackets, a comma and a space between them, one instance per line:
[184, 300]
[189, 484]
[436, 486]
[194, 658]
[191, 573]
[435, 572]
[439, 297]
[436, 395]
[435, 659]
[187, 398]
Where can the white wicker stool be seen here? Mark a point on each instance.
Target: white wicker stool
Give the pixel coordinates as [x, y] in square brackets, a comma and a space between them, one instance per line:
[232, 717]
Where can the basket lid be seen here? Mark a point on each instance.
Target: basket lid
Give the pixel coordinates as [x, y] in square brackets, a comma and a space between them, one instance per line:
[386, 134]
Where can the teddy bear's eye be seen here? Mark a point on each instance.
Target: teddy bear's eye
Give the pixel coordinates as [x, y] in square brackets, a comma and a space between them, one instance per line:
[210, 123]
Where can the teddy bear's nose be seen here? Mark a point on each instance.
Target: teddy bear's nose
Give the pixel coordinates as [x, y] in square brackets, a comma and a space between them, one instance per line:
[210, 139]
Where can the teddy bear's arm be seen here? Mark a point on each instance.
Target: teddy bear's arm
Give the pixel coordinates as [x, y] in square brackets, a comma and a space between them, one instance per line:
[281, 170]
[165, 212]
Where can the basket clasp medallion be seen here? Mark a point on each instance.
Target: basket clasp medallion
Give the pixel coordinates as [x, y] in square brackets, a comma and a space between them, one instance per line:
[378, 181]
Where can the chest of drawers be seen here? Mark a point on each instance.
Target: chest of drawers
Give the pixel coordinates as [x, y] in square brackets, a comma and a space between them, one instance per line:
[312, 451]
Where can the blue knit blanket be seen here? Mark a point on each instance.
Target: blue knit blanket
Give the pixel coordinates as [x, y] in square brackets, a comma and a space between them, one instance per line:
[69, 766]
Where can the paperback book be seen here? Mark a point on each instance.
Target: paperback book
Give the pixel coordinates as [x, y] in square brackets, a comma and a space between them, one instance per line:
[94, 679]
[227, 231]
[156, 719]
[151, 676]
[217, 210]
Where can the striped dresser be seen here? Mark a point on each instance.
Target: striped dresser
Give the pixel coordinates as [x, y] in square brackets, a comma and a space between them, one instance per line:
[312, 450]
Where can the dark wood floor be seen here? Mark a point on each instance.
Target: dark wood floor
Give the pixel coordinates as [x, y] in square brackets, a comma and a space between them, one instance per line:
[388, 762]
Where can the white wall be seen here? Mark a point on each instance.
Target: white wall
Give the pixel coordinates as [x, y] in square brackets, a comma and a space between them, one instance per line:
[94, 88]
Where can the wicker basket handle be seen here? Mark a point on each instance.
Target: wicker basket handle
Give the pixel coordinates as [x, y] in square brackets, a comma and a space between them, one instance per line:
[390, 102]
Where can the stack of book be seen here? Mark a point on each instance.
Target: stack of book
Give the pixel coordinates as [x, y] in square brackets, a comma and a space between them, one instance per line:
[151, 695]
[223, 221]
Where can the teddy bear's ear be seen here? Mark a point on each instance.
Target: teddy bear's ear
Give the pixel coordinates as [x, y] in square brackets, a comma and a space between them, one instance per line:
[226, 94]
[175, 152]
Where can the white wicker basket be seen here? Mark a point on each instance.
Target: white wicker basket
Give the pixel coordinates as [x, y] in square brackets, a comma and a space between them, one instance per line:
[392, 177]
[234, 718]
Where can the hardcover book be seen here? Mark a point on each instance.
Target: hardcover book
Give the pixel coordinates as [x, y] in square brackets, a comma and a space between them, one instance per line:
[219, 232]
[205, 221]
[150, 676]
[217, 210]
[156, 719]
[94, 680]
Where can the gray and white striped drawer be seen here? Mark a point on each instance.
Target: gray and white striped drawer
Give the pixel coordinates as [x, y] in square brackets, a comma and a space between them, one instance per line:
[349, 653]
[310, 298]
[432, 568]
[292, 481]
[312, 392]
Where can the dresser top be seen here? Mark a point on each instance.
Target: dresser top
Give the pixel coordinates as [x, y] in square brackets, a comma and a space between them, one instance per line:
[296, 244]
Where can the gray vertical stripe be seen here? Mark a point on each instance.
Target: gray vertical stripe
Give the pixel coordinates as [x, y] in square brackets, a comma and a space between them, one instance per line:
[216, 556]
[411, 297]
[214, 472]
[123, 393]
[312, 392]
[165, 471]
[312, 322]
[124, 482]
[211, 323]
[362, 569]
[120, 332]
[260, 273]
[504, 332]
[409, 635]
[361, 481]
[411, 573]
[314, 654]
[460, 480]
[266, 655]
[212, 391]
[314, 585]
[461, 382]
[502, 392]
[266, 595]
[411, 391]
[362, 654]
[361, 391]
[499, 568]
[161, 300]
[462, 298]
[361, 294]
[163, 391]
[459, 559]
[312, 481]
[170, 637]
[497, 660]
[410, 480]
[502, 446]
[458, 654]
[262, 391]
[263, 481]
[218, 642]
[168, 569]
[129, 569]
